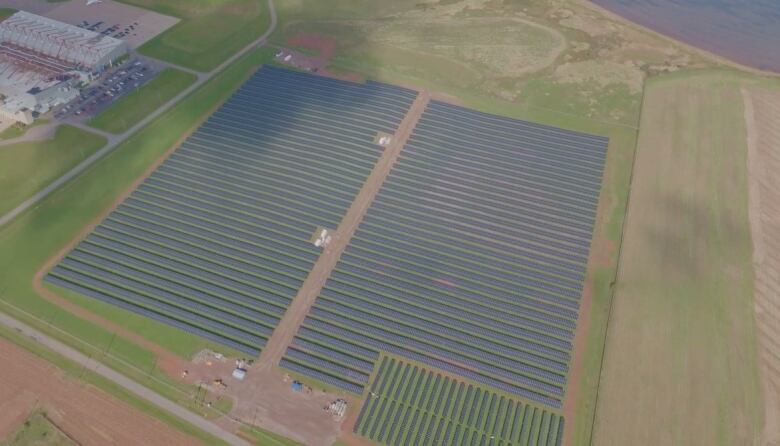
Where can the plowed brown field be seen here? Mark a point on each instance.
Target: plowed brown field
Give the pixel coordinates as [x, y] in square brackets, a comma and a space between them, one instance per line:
[762, 119]
[84, 413]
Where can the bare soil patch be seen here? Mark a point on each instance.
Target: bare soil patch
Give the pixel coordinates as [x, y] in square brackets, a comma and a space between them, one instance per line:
[576, 371]
[762, 120]
[312, 51]
[265, 399]
[324, 45]
[82, 412]
[601, 254]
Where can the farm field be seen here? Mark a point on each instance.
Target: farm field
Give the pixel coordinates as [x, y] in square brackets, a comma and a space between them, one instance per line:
[88, 407]
[762, 120]
[681, 364]
[217, 240]
[412, 405]
[40, 235]
[124, 113]
[27, 167]
[209, 31]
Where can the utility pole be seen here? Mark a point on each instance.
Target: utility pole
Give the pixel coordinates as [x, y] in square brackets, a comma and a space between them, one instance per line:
[108, 347]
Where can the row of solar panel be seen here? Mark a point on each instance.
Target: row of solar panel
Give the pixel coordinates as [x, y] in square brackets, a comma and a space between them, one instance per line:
[216, 240]
[408, 405]
[480, 277]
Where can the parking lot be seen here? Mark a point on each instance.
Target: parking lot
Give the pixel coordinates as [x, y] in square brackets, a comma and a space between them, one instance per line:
[129, 23]
[111, 86]
[116, 31]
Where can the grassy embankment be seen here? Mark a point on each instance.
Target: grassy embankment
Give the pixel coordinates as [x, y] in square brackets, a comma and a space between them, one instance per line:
[139, 103]
[680, 364]
[27, 167]
[37, 235]
[209, 32]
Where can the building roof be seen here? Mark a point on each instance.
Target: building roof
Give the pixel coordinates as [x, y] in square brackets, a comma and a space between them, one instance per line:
[57, 39]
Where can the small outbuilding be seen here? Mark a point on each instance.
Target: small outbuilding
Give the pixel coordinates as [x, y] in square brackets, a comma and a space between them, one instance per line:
[239, 373]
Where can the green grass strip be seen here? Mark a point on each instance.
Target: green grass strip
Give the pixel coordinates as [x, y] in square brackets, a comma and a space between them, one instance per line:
[139, 103]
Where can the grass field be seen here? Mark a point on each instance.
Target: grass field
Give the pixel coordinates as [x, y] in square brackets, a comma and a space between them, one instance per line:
[27, 167]
[562, 56]
[37, 430]
[210, 31]
[680, 364]
[29, 241]
[137, 104]
[505, 47]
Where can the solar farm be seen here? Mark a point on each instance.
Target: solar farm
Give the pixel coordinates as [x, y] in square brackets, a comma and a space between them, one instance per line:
[471, 259]
[411, 405]
[216, 240]
[467, 266]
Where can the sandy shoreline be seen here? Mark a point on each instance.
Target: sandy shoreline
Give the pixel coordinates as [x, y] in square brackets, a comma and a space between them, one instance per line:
[692, 48]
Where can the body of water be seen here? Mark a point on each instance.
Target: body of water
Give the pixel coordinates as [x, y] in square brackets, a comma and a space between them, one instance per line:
[745, 31]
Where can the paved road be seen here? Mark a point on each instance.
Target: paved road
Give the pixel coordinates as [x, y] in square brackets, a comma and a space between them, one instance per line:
[115, 140]
[122, 380]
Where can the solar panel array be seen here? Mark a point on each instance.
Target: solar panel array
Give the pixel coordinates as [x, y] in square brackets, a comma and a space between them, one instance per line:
[217, 240]
[471, 258]
[409, 405]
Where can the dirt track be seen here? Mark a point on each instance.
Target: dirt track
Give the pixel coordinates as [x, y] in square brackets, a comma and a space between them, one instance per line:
[83, 412]
[601, 253]
[310, 289]
[762, 120]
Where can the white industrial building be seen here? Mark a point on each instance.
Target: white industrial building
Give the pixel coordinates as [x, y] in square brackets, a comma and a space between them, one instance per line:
[42, 61]
[65, 43]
